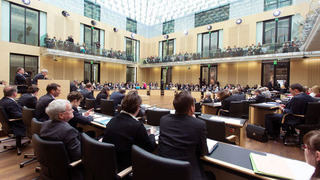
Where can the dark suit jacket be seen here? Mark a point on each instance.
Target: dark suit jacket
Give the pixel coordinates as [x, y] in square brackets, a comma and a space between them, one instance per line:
[184, 138]
[123, 131]
[21, 80]
[42, 104]
[73, 87]
[86, 94]
[260, 98]
[237, 97]
[207, 100]
[28, 100]
[62, 131]
[99, 97]
[117, 98]
[297, 105]
[79, 118]
[13, 110]
[36, 77]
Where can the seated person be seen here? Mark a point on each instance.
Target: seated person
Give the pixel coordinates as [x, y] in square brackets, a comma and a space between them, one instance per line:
[29, 99]
[225, 102]
[58, 128]
[73, 85]
[86, 93]
[53, 91]
[297, 105]
[125, 129]
[236, 96]
[42, 75]
[13, 111]
[103, 94]
[117, 97]
[259, 97]
[312, 151]
[207, 98]
[75, 98]
[182, 136]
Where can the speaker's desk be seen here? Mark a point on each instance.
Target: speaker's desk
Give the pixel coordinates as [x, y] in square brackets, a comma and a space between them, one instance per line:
[258, 111]
[234, 126]
[210, 108]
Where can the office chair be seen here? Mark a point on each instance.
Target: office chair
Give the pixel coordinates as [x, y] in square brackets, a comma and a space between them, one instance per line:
[54, 160]
[236, 109]
[27, 115]
[245, 108]
[107, 107]
[216, 130]
[99, 160]
[198, 107]
[154, 116]
[35, 129]
[6, 127]
[90, 103]
[312, 122]
[146, 165]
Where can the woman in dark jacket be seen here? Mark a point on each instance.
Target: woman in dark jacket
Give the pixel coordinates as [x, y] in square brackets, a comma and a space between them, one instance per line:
[103, 94]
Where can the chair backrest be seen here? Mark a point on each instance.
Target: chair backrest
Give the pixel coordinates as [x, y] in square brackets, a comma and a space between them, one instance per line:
[98, 158]
[246, 105]
[313, 113]
[154, 116]
[149, 166]
[4, 121]
[197, 107]
[27, 115]
[90, 103]
[35, 126]
[235, 109]
[53, 158]
[107, 107]
[216, 130]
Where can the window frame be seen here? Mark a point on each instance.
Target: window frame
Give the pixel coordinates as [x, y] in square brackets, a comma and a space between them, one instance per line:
[167, 41]
[136, 41]
[25, 23]
[202, 34]
[134, 22]
[278, 2]
[276, 28]
[275, 71]
[92, 4]
[84, 34]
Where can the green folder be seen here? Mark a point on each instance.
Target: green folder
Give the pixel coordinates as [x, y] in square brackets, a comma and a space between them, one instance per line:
[255, 170]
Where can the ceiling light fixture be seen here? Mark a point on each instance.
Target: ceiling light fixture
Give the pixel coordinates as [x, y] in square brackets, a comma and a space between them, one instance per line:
[276, 13]
[65, 13]
[209, 27]
[238, 21]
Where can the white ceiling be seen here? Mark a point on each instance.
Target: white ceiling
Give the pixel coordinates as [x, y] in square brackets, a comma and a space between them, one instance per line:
[152, 12]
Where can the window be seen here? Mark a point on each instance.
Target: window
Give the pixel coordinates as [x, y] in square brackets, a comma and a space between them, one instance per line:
[92, 10]
[277, 73]
[276, 32]
[132, 49]
[168, 27]
[275, 4]
[29, 63]
[208, 75]
[209, 44]
[166, 77]
[24, 25]
[167, 48]
[131, 74]
[91, 36]
[91, 72]
[131, 25]
[212, 16]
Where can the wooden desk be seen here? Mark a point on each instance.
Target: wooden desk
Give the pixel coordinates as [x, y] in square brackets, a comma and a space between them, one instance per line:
[258, 111]
[169, 93]
[143, 92]
[155, 92]
[234, 126]
[210, 108]
[197, 95]
[230, 162]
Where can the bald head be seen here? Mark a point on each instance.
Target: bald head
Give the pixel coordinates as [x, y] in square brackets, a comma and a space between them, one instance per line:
[10, 91]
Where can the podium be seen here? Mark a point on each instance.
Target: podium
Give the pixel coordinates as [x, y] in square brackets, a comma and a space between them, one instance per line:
[65, 87]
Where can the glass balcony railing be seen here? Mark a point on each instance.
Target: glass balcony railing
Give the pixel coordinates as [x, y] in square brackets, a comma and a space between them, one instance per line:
[86, 49]
[286, 47]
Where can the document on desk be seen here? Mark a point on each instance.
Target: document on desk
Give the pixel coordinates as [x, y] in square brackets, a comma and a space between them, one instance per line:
[226, 120]
[212, 145]
[102, 120]
[277, 166]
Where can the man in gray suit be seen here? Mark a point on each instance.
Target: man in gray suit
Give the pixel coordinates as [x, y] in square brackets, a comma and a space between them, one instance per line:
[58, 128]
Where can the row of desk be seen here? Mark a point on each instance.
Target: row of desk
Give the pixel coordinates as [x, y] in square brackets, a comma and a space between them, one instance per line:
[227, 161]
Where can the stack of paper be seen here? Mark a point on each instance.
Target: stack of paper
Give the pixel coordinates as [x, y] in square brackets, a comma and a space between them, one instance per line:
[280, 167]
[212, 145]
[103, 120]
